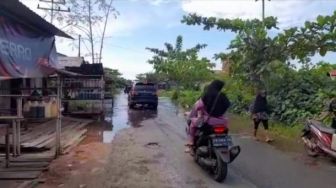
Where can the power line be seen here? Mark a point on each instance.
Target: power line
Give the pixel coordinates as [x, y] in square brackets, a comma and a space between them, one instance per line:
[87, 48]
[53, 8]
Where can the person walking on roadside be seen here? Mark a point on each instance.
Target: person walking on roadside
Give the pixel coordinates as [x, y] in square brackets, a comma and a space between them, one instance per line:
[259, 112]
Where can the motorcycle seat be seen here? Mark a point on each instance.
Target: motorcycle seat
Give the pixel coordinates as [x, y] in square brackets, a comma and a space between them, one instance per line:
[323, 128]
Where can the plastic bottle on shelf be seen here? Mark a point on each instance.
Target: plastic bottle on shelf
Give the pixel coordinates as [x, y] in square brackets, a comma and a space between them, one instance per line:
[40, 110]
[47, 109]
[33, 109]
[53, 108]
[26, 108]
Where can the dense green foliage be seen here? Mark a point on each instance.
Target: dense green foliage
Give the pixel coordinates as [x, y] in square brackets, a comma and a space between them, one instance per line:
[183, 67]
[280, 64]
[186, 98]
[114, 81]
[151, 77]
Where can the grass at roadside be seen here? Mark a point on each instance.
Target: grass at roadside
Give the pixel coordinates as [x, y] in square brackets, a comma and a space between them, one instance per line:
[185, 98]
[166, 93]
[287, 138]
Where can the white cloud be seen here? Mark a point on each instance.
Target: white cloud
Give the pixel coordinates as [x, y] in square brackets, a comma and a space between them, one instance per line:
[289, 12]
[157, 2]
[125, 25]
[130, 63]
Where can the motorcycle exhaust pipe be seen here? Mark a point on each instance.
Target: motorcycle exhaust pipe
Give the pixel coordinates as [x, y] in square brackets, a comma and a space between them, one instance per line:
[202, 151]
[207, 162]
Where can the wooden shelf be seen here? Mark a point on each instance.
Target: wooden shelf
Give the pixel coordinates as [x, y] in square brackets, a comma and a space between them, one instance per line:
[82, 99]
[82, 88]
[17, 96]
[10, 118]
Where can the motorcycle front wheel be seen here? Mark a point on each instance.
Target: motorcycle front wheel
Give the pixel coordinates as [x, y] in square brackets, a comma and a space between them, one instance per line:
[220, 170]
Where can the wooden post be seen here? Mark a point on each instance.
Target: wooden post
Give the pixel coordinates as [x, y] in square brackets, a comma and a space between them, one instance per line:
[59, 115]
[14, 137]
[18, 128]
[18, 125]
[102, 86]
[7, 146]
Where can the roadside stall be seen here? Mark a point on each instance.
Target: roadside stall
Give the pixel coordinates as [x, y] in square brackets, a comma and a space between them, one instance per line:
[27, 58]
[84, 94]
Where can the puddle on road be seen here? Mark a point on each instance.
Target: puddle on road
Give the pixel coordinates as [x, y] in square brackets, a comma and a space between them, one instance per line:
[166, 103]
[122, 117]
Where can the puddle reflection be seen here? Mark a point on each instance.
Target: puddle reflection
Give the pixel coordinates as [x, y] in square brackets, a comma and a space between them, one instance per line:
[136, 117]
[122, 117]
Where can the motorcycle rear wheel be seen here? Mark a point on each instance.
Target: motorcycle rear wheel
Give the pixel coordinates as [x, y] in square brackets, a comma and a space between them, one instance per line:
[220, 170]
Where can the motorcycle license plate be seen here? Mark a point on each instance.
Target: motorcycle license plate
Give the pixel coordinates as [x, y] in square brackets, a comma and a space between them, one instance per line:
[222, 141]
[333, 142]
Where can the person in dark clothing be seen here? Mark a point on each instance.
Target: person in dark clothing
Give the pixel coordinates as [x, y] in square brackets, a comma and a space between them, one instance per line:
[211, 107]
[260, 113]
[209, 98]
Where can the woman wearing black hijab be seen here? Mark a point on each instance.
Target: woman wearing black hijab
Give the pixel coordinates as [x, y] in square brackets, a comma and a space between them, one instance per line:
[211, 106]
[260, 113]
[210, 96]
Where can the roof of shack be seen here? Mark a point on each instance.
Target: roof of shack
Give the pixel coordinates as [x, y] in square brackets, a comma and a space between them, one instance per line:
[29, 18]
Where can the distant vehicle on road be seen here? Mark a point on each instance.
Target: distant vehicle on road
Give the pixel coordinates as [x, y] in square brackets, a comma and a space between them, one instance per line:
[127, 89]
[143, 93]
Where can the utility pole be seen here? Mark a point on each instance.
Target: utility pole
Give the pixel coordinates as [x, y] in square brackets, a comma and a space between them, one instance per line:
[91, 32]
[263, 9]
[53, 8]
[79, 45]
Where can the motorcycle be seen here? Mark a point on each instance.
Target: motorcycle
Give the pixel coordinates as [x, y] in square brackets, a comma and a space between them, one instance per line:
[127, 89]
[213, 150]
[319, 139]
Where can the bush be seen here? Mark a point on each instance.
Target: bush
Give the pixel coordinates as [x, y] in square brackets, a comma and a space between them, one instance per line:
[185, 98]
[240, 95]
[293, 95]
[188, 97]
[175, 95]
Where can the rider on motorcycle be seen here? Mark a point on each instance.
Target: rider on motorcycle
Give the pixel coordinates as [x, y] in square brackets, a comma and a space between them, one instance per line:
[211, 108]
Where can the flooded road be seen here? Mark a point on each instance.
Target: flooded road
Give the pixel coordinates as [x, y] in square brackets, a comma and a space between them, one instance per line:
[122, 118]
[148, 151]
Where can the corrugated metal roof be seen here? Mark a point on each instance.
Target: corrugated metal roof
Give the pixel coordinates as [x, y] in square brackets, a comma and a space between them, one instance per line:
[88, 69]
[25, 16]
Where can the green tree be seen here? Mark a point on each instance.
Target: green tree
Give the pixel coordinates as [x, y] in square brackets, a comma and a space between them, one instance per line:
[295, 93]
[114, 80]
[252, 50]
[181, 66]
[151, 77]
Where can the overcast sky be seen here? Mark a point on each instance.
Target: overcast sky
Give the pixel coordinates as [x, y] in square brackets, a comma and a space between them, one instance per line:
[151, 23]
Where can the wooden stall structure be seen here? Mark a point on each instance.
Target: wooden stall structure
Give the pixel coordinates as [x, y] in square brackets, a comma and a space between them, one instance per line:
[83, 94]
[27, 51]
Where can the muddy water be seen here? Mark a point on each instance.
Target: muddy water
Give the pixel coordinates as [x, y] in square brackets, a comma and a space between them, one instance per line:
[123, 117]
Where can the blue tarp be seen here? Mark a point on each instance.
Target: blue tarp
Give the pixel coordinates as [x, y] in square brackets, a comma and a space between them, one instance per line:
[27, 42]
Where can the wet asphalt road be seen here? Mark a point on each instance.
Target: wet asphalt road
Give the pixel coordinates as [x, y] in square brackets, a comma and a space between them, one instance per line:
[259, 164]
